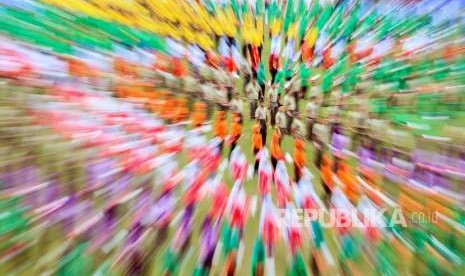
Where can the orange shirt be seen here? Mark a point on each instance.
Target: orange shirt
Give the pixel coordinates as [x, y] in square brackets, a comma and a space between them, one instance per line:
[299, 153]
[328, 61]
[182, 113]
[307, 52]
[220, 129]
[257, 142]
[327, 173]
[168, 109]
[179, 69]
[198, 118]
[327, 176]
[347, 177]
[236, 130]
[276, 150]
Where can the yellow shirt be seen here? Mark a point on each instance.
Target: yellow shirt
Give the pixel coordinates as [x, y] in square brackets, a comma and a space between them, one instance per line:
[275, 26]
[292, 32]
[188, 34]
[247, 35]
[311, 36]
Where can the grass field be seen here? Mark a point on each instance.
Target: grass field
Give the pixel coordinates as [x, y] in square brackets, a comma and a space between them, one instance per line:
[251, 229]
[50, 239]
[282, 254]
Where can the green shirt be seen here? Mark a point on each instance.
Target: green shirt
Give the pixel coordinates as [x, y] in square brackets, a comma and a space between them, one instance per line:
[352, 78]
[76, 262]
[298, 267]
[317, 233]
[170, 262]
[304, 74]
[261, 77]
[327, 82]
[324, 16]
[258, 255]
[258, 251]
[230, 238]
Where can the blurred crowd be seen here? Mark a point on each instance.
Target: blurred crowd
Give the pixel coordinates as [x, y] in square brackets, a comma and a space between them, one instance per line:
[169, 137]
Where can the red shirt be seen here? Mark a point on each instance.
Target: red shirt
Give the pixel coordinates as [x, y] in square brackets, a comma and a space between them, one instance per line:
[255, 57]
[229, 64]
[273, 63]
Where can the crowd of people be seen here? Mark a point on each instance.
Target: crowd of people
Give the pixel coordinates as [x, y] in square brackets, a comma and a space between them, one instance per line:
[142, 138]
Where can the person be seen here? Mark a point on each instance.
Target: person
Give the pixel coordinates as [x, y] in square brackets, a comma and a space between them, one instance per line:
[208, 92]
[258, 257]
[220, 128]
[228, 81]
[339, 142]
[304, 75]
[281, 120]
[257, 144]
[299, 158]
[247, 72]
[260, 115]
[289, 103]
[236, 132]
[276, 151]
[347, 176]
[326, 175]
[320, 138]
[182, 112]
[274, 66]
[236, 106]
[335, 124]
[221, 97]
[190, 85]
[255, 59]
[261, 77]
[295, 92]
[252, 91]
[273, 98]
[298, 128]
[167, 109]
[297, 265]
[311, 109]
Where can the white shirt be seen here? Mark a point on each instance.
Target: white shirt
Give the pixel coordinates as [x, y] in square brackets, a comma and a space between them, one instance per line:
[223, 47]
[311, 109]
[236, 105]
[208, 91]
[220, 96]
[298, 127]
[281, 119]
[322, 132]
[289, 102]
[260, 113]
[176, 49]
[252, 91]
[276, 44]
[273, 95]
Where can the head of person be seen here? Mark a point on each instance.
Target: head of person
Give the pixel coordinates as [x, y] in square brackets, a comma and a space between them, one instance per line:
[262, 103]
[256, 128]
[326, 161]
[299, 143]
[276, 136]
[343, 167]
